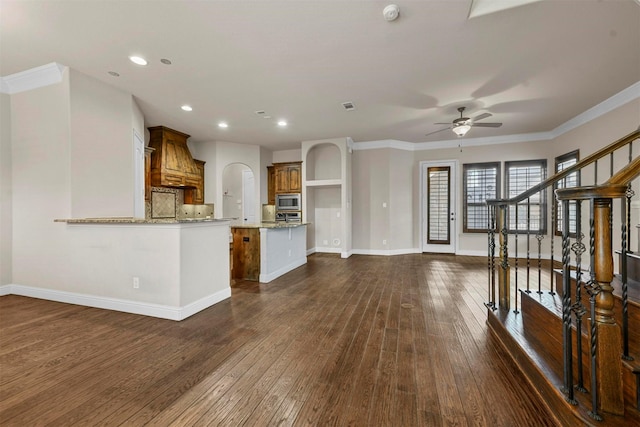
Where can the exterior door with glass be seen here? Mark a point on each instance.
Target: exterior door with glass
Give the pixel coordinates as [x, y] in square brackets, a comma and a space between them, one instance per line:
[438, 182]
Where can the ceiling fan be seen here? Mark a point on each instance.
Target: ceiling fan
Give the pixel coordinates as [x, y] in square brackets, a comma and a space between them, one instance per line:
[462, 125]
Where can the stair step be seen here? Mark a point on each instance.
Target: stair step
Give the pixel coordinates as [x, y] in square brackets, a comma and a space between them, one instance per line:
[542, 325]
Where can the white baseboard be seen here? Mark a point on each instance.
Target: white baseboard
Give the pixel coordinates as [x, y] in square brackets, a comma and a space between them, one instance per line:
[116, 304]
[266, 278]
[386, 252]
[311, 251]
[327, 250]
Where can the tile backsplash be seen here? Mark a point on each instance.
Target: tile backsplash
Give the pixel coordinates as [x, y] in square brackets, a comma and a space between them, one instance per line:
[165, 202]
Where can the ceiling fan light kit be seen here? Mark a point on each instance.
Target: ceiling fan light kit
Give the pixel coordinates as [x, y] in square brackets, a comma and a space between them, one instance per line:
[462, 125]
[461, 130]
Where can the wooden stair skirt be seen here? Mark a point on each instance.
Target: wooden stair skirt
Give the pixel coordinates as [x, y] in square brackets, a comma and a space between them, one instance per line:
[633, 265]
[542, 328]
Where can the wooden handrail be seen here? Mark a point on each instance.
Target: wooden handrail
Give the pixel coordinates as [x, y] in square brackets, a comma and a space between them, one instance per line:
[562, 174]
[627, 174]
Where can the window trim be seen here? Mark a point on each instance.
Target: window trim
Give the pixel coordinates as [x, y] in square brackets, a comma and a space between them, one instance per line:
[543, 202]
[475, 166]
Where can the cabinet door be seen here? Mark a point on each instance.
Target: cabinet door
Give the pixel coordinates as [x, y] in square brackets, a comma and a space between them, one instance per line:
[295, 179]
[282, 179]
[271, 185]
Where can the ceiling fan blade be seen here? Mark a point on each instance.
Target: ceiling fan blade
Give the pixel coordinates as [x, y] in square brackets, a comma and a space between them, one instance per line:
[482, 116]
[487, 125]
[436, 131]
[448, 123]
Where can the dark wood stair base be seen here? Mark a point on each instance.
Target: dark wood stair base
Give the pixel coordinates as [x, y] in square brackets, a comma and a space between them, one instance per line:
[633, 264]
[545, 376]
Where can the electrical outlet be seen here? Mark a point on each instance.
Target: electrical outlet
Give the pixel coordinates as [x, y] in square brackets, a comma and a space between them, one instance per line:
[384, 241]
[136, 282]
[338, 214]
[325, 242]
[289, 252]
[384, 204]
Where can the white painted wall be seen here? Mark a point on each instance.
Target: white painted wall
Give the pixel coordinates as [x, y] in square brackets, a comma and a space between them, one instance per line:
[101, 148]
[283, 156]
[206, 151]
[6, 206]
[232, 190]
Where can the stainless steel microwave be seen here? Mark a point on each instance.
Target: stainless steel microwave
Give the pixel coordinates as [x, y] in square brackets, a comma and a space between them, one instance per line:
[288, 202]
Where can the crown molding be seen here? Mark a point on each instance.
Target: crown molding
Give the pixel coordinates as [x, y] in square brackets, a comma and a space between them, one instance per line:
[33, 78]
[621, 98]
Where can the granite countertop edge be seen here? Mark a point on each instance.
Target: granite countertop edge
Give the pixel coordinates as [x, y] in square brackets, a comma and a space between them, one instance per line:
[271, 225]
[127, 220]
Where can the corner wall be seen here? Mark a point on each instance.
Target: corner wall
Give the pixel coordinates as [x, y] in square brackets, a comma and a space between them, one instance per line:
[6, 213]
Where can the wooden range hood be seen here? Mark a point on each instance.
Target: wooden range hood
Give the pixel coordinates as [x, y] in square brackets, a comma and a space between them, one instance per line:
[171, 163]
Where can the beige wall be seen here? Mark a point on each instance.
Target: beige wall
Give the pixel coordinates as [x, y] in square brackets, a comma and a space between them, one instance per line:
[101, 143]
[5, 190]
[392, 176]
[41, 185]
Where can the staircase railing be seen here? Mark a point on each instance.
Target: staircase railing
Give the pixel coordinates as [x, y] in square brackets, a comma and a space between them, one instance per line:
[606, 339]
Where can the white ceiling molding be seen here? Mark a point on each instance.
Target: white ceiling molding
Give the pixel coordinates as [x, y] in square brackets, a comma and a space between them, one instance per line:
[618, 100]
[33, 78]
[627, 95]
[485, 7]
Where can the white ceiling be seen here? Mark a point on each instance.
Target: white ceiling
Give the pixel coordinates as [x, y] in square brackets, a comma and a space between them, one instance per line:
[534, 67]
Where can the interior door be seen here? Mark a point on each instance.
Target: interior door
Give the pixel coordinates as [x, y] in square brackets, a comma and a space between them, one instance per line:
[439, 218]
[248, 197]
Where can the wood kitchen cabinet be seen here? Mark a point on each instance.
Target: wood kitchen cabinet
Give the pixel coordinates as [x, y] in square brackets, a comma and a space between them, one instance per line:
[246, 253]
[288, 177]
[271, 185]
[171, 162]
[195, 195]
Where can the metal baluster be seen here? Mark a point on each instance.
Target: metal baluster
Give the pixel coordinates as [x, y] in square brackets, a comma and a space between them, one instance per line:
[578, 249]
[611, 164]
[593, 289]
[554, 217]
[515, 310]
[595, 173]
[539, 236]
[625, 204]
[630, 193]
[528, 244]
[492, 254]
[566, 308]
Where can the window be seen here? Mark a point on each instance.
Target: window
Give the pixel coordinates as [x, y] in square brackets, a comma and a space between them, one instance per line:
[521, 176]
[481, 181]
[571, 180]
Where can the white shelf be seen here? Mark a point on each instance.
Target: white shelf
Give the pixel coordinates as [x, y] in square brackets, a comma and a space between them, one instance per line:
[324, 183]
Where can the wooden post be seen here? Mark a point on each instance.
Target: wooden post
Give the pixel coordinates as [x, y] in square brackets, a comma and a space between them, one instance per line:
[504, 286]
[609, 365]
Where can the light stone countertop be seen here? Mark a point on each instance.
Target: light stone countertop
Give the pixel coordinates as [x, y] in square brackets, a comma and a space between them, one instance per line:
[271, 225]
[130, 220]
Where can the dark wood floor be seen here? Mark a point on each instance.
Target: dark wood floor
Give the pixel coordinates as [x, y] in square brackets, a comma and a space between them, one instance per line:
[369, 341]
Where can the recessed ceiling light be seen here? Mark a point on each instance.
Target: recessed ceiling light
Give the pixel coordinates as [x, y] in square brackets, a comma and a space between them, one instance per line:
[187, 108]
[282, 123]
[114, 74]
[223, 125]
[138, 60]
[165, 61]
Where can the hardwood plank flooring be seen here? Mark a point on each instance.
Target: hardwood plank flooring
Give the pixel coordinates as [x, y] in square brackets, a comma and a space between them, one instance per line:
[364, 341]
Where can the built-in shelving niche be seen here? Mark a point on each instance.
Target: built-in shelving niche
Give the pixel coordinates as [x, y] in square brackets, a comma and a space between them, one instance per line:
[326, 188]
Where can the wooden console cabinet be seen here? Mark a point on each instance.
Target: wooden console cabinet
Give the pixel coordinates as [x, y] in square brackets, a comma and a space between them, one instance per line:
[246, 253]
[195, 195]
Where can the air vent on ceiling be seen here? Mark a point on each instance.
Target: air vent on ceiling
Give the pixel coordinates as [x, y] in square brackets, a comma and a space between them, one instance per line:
[349, 105]
[260, 112]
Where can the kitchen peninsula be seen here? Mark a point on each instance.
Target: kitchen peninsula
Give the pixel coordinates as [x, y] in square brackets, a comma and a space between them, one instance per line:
[266, 251]
[167, 268]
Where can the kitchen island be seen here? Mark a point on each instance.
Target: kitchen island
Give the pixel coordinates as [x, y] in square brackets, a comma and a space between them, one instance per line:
[265, 251]
[164, 268]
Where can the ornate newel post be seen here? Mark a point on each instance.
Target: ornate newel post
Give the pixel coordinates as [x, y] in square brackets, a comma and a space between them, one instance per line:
[504, 286]
[609, 367]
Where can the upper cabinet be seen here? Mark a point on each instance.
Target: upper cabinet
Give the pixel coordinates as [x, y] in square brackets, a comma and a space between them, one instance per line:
[171, 162]
[271, 185]
[288, 177]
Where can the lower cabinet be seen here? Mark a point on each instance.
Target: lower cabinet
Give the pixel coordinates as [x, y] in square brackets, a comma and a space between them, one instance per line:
[246, 253]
